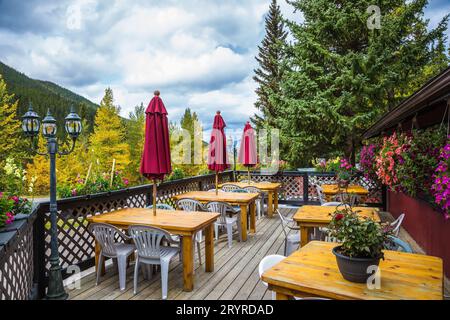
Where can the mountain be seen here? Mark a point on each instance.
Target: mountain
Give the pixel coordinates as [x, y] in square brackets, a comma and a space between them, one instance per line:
[45, 95]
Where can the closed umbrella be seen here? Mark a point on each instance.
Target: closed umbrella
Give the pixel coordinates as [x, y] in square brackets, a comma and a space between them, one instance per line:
[155, 162]
[217, 155]
[247, 152]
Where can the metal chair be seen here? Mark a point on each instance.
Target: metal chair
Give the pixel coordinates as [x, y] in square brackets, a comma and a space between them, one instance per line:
[350, 198]
[259, 202]
[190, 205]
[150, 252]
[397, 244]
[230, 187]
[240, 190]
[224, 220]
[397, 224]
[105, 235]
[214, 190]
[247, 181]
[291, 241]
[162, 206]
[320, 194]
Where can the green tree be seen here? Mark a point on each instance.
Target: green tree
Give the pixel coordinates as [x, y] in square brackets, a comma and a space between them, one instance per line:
[269, 72]
[135, 138]
[341, 75]
[108, 142]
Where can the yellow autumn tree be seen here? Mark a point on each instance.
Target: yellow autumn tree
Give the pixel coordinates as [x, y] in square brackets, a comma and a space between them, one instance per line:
[108, 142]
[40, 168]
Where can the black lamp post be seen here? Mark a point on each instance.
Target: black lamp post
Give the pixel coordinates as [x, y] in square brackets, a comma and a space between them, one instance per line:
[30, 126]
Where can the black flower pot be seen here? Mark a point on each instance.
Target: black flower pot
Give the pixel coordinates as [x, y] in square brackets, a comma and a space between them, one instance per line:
[354, 269]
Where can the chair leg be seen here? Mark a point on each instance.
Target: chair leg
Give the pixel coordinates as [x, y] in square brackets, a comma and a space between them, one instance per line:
[122, 262]
[216, 231]
[285, 247]
[230, 234]
[164, 278]
[99, 268]
[199, 252]
[136, 275]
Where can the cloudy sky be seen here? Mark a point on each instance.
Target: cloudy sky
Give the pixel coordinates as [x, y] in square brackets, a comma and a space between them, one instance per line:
[199, 53]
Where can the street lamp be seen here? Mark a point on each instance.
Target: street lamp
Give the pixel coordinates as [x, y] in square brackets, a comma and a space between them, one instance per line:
[30, 126]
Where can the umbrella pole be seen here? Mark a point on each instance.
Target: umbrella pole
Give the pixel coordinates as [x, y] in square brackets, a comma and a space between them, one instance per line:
[217, 183]
[248, 173]
[154, 197]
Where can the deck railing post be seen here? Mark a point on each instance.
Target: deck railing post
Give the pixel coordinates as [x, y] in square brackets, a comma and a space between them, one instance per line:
[39, 253]
[305, 188]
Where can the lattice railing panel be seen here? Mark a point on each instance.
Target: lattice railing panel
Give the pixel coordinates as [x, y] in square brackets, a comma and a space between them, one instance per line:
[16, 268]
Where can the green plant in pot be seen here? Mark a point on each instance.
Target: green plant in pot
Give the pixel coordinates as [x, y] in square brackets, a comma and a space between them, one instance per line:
[361, 243]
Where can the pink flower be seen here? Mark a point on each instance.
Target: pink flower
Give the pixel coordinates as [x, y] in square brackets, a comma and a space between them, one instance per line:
[74, 192]
[15, 199]
[126, 182]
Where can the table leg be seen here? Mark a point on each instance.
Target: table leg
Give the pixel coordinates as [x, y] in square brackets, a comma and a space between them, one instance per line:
[304, 232]
[98, 249]
[209, 248]
[281, 296]
[244, 222]
[188, 263]
[253, 217]
[275, 199]
[270, 204]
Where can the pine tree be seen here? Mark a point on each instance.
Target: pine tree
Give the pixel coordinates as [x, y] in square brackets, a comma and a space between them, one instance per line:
[135, 139]
[108, 142]
[269, 73]
[341, 76]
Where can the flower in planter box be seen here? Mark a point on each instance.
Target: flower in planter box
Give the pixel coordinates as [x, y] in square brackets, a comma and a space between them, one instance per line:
[441, 180]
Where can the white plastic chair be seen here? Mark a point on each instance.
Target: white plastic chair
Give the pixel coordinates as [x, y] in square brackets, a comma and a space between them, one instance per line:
[397, 224]
[105, 235]
[259, 201]
[151, 252]
[267, 263]
[224, 220]
[190, 205]
[291, 240]
[397, 244]
[230, 187]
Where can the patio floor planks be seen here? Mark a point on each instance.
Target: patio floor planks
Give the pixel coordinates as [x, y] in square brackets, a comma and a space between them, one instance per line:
[235, 273]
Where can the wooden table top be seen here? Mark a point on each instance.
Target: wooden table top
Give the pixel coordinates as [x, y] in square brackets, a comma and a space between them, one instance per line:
[323, 215]
[265, 186]
[230, 197]
[334, 189]
[171, 220]
[313, 270]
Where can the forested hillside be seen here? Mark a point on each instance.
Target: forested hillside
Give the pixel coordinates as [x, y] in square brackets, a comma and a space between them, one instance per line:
[44, 95]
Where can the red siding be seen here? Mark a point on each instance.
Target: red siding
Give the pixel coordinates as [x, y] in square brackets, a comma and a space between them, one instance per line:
[428, 227]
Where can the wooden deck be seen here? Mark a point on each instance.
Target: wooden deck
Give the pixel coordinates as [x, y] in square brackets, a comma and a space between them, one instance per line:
[235, 273]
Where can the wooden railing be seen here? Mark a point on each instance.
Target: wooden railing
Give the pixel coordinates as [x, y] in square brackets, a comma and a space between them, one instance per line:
[25, 246]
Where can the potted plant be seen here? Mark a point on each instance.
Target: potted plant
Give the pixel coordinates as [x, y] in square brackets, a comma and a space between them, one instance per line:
[6, 207]
[361, 243]
[344, 174]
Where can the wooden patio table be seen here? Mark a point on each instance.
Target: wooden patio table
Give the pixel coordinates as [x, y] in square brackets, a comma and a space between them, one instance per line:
[243, 200]
[271, 188]
[308, 217]
[312, 271]
[174, 221]
[331, 190]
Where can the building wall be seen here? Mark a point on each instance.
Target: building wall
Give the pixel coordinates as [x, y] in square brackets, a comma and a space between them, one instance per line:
[427, 226]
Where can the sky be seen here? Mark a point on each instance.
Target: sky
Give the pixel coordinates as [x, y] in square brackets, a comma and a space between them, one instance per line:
[199, 53]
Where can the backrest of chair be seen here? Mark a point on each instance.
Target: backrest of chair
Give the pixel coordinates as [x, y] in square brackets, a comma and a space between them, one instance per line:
[148, 240]
[189, 205]
[105, 235]
[246, 181]
[398, 244]
[284, 222]
[253, 189]
[230, 187]
[239, 190]
[348, 197]
[397, 224]
[320, 194]
[219, 207]
[162, 206]
[268, 262]
[214, 190]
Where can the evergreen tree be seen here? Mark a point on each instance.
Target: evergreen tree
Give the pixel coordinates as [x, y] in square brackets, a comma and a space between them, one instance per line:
[108, 142]
[340, 75]
[135, 139]
[269, 73]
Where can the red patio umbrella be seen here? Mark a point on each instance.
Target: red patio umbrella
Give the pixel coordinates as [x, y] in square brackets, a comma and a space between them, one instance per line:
[155, 162]
[247, 152]
[217, 155]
